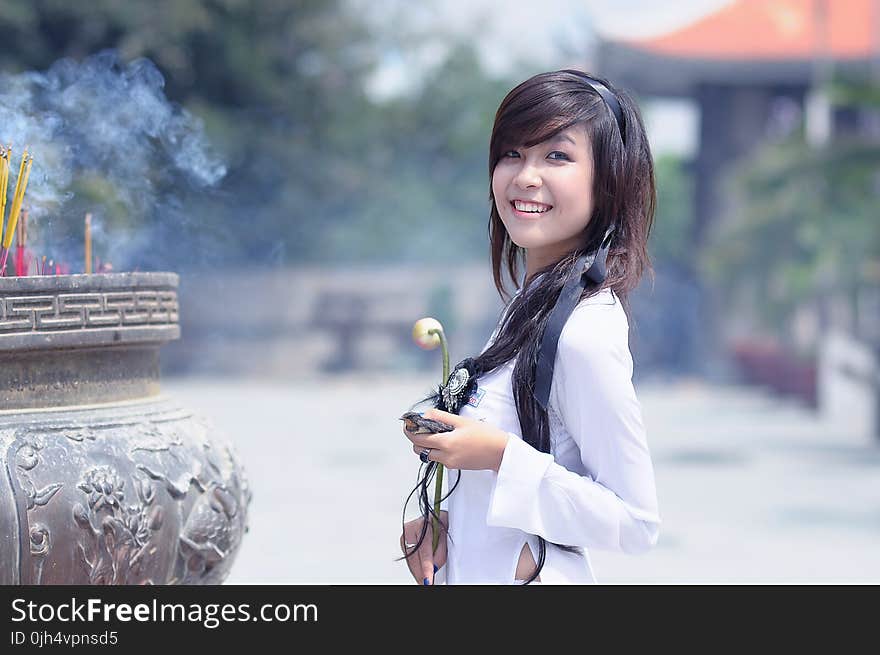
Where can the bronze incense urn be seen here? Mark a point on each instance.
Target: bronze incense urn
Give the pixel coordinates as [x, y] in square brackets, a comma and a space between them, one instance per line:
[105, 481]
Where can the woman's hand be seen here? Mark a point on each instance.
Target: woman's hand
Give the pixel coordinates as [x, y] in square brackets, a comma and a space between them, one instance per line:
[472, 445]
[423, 564]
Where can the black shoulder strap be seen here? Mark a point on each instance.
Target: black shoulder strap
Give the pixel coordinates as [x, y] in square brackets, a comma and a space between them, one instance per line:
[589, 268]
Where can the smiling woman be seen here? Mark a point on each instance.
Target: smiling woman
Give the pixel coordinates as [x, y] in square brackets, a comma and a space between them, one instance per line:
[549, 455]
[544, 179]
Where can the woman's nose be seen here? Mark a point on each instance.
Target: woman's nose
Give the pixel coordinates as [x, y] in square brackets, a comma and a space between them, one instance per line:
[527, 176]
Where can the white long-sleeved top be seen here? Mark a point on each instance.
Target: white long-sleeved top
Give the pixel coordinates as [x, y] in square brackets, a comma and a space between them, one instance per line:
[596, 489]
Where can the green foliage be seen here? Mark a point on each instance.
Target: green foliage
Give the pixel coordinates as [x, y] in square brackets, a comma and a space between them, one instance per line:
[803, 224]
[673, 219]
[317, 171]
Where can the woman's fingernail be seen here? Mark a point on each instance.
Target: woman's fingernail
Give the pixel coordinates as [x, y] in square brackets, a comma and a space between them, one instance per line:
[426, 581]
[436, 568]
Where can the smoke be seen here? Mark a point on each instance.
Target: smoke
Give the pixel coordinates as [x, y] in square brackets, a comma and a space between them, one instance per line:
[105, 139]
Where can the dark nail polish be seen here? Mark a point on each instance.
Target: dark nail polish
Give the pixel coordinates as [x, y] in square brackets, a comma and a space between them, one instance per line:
[426, 581]
[436, 568]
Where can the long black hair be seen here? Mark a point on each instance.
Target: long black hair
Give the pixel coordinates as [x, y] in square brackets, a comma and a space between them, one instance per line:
[623, 196]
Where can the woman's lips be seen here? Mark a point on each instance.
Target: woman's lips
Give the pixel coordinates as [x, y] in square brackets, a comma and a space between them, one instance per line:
[531, 215]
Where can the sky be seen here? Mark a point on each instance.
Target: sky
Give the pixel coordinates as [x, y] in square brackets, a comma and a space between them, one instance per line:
[638, 18]
[543, 33]
[514, 35]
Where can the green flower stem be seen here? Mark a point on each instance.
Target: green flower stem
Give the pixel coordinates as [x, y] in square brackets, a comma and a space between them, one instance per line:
[438, 488]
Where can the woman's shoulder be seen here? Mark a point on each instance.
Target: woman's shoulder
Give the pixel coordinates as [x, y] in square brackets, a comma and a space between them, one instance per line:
[593, 356]
[600, 307]
[597, 322]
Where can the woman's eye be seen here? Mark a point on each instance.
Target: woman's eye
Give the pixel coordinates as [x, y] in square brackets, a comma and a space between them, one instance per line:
[558, 152]
[511, 152]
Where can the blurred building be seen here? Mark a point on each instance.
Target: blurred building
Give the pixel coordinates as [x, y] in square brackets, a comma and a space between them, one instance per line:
[750, 68]
[757, 70]
[299, 322]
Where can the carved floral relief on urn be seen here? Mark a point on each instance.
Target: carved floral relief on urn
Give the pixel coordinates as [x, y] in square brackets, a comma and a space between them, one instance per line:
[107, 481]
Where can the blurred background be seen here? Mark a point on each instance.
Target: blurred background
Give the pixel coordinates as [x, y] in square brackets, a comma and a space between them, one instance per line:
[316, 172]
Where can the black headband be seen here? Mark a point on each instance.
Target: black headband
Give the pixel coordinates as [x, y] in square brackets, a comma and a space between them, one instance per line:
[610, 100]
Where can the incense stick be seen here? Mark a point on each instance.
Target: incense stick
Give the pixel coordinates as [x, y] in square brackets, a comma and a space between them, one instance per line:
[22, 228]
[17, 197]
[4, 180]
[24, 171]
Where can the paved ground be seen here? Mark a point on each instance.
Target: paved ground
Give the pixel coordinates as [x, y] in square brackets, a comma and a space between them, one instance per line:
[751, 489]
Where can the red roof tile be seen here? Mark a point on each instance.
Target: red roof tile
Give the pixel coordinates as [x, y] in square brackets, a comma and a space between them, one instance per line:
[774, 29]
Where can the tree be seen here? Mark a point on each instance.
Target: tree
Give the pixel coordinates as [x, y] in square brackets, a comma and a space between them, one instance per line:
[803, 222]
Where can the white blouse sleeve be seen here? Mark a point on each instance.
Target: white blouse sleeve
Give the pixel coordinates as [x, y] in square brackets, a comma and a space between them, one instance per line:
[613, 507]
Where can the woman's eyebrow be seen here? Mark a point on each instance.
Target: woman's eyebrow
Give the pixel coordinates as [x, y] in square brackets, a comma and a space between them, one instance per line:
[562, 137]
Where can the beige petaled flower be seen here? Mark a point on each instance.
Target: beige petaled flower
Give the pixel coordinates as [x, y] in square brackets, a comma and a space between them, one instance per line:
[428, 334]
[422, 335]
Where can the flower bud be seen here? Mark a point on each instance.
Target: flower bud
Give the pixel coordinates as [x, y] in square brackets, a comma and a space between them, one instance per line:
[420, 333]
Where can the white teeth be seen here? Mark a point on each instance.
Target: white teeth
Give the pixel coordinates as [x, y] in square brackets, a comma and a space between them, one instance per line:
[529, 207]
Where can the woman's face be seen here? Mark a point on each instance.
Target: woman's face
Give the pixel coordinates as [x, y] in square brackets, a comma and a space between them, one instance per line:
[554, 177]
